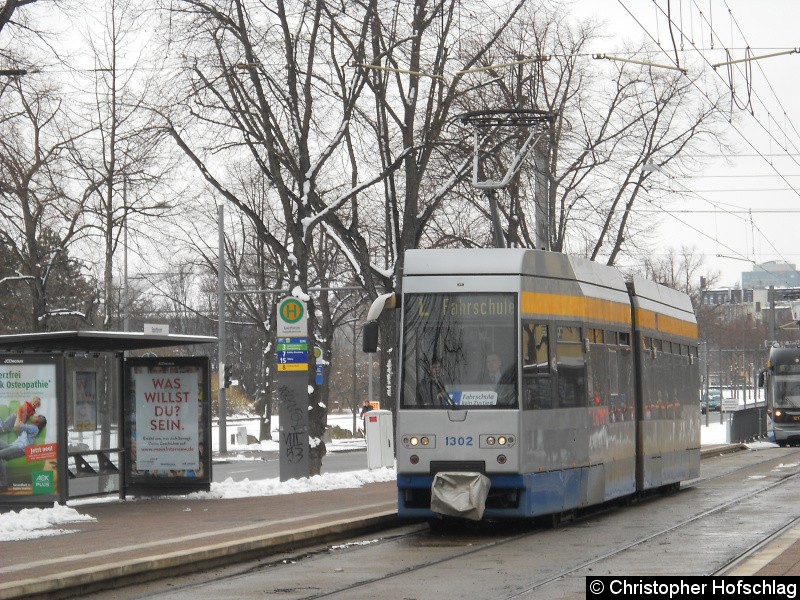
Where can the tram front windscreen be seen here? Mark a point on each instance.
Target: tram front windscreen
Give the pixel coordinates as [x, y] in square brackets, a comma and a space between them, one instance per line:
[787, 386]
[459, 351]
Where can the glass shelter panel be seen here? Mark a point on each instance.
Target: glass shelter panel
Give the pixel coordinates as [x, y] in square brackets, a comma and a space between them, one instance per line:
[93, 402]
[459, 350]
[93, 407]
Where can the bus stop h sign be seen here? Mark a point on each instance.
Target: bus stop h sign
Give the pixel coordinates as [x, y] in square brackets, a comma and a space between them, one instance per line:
[292, 318]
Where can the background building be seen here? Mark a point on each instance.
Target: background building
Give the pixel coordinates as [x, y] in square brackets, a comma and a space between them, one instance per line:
[738, 324]
[775, 273]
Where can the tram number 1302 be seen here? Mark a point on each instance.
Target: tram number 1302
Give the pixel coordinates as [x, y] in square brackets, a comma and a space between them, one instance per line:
[451, 440]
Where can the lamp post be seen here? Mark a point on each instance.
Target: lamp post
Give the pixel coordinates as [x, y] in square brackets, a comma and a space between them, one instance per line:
[221, 343]
[125, 290]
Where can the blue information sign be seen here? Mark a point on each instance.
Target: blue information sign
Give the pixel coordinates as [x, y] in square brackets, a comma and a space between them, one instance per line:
[318, 378]
[292, 356]
[292, 353]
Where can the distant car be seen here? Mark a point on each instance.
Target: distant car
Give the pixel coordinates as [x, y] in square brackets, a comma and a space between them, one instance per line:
[711, 402]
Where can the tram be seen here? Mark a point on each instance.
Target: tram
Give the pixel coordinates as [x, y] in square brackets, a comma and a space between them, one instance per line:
[536, 383]
[781, 382]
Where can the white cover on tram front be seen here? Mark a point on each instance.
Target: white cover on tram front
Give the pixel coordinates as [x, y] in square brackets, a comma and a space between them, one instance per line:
[458, 494]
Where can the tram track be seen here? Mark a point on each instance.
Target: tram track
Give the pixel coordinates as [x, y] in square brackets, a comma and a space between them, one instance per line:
[421, 567]
[654, 536]
[413, 554]
[744, 556]
[605, 556]
[582, 518]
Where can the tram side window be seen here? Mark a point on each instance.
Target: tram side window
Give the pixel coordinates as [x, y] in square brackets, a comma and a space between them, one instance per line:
[571, 368]
[537, 387]
[594, 336]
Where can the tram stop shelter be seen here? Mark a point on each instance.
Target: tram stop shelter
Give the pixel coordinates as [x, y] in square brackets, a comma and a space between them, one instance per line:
[98, 421]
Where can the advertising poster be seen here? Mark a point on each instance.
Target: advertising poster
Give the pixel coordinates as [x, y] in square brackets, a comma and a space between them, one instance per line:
[168, 418]
[85, 409]
[167, 435]
[28, 428]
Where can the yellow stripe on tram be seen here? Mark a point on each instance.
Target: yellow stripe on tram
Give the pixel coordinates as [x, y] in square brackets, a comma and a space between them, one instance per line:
[576, 307]
[595, 309]
[647, 319]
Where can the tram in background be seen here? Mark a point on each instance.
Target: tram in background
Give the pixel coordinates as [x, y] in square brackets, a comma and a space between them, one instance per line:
[597, 398]
[781, 382]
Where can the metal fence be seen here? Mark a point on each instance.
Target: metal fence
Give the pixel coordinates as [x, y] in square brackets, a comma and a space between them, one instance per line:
[748, 424]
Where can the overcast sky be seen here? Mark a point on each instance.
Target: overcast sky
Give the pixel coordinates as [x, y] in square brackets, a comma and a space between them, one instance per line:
[763, 175]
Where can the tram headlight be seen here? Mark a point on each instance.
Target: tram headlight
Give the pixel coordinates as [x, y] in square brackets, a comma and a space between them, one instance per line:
[501, 459]
[778, 413]
[493, 440]
[418, 440]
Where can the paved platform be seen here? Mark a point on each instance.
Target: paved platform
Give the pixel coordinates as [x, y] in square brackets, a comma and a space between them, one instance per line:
[143, 538]
[140, 538]
[777, 556]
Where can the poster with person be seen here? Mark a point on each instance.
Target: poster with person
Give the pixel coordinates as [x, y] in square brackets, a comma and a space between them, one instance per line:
[29, 393]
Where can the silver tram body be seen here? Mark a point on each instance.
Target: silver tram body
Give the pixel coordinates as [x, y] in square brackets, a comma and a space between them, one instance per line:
[599, 393]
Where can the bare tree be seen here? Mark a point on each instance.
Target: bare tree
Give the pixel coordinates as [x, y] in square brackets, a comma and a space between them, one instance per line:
[40, 216]
[315, 135]
[119, 158]
[681, 270]
[24, 25]
[290, 124]
[8, 8]
[614, 130]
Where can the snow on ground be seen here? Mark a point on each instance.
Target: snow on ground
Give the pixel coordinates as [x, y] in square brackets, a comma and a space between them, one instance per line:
[276, 487]
[251, 426]
[32, 523]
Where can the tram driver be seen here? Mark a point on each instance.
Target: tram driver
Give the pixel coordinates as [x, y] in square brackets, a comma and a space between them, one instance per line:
[503, 381]
[431, 390]
[494, 369]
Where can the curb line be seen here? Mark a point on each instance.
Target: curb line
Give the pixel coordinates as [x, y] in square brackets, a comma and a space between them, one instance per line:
[186, 561]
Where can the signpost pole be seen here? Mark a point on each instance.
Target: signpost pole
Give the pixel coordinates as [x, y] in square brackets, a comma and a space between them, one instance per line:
[292, 376]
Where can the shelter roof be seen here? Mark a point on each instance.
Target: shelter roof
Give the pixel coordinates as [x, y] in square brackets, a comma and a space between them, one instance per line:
[95, 341]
